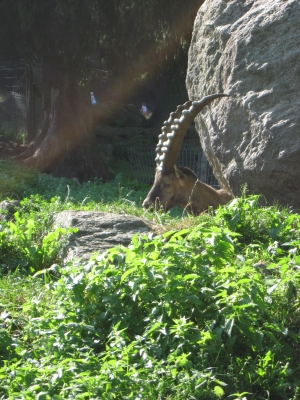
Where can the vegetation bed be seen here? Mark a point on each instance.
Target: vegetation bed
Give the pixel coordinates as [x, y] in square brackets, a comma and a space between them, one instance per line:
[205, 308]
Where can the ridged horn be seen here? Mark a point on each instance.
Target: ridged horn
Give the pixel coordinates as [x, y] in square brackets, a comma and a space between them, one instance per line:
[174, 130]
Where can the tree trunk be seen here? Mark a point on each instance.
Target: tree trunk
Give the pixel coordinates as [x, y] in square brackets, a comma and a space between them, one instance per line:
[64, 144]
[30, 103]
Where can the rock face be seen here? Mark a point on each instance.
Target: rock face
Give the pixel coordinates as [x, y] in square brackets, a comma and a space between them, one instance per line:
[250, 50]
[97, 231]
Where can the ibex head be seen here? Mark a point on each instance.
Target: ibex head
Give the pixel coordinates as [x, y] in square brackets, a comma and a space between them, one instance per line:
[179, 186]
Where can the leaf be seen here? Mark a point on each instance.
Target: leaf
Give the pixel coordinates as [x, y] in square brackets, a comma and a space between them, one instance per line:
[258, 340]
[168, 234]
[155, 327]
[181, 233]
[192, 298]
[244, 280]
[130, 256]
[228, 269]
[283, 269]
[274, 230]
[149, 273]
[41, 395]
[220, 382]
[41, 272]
[234, 221]
[219, 392]
[77, 279]
[128, 272]
[228, 326]
[190, 277]
[260, 303]
[206, 289]
[272, 288]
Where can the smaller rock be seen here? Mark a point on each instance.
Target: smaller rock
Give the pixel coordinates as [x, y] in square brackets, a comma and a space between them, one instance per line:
[97, 231]
[7, 209]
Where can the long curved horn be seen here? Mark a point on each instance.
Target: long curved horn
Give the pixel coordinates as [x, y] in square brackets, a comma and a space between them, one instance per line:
[174, 130]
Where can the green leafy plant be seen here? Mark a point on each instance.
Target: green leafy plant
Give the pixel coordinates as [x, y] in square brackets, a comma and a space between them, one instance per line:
[21, 238]
[14, 179]
[208, 308]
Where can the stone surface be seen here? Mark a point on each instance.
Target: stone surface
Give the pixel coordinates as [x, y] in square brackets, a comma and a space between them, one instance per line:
[8, 208]
[251, 51]
[97, 231]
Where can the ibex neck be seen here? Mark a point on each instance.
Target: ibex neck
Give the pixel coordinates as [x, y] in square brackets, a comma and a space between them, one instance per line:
[201, 197]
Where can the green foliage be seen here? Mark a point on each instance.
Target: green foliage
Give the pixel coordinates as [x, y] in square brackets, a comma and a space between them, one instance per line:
[134, 143]
[27, 239]
[147, 36]
[64, 31]
[273, 230]
[206, 312]
[19, 182]
[14, 179]
[135, 41]
[23, 244]
[10, 132]
[22, 233]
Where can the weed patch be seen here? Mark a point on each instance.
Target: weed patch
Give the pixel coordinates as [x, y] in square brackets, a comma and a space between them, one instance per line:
[206, 308]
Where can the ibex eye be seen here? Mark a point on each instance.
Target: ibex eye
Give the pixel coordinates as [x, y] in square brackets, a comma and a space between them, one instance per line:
[167, 185]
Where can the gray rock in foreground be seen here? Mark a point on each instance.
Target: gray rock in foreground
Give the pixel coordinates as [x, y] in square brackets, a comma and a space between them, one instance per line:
[251, 51]
[97, 231]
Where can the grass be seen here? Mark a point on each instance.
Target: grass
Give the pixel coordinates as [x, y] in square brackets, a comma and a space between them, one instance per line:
[205, 308]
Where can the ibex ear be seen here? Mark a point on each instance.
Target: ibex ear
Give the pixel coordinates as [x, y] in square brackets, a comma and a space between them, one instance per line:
[179, 173]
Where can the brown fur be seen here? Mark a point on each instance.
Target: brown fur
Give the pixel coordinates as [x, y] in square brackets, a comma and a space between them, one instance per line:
[179, 186]
[182, 188]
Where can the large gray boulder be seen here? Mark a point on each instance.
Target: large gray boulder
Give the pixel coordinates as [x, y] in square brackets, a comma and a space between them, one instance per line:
[97, 231]
[250, 50]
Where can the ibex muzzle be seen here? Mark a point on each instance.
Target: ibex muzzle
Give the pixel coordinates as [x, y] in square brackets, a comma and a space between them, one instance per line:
[178, 186]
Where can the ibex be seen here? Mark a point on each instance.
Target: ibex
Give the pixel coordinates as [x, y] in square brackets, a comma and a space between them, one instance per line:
[179, 186]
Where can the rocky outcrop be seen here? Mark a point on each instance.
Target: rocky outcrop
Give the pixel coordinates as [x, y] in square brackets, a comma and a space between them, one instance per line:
[97, 231]
[250, 50]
